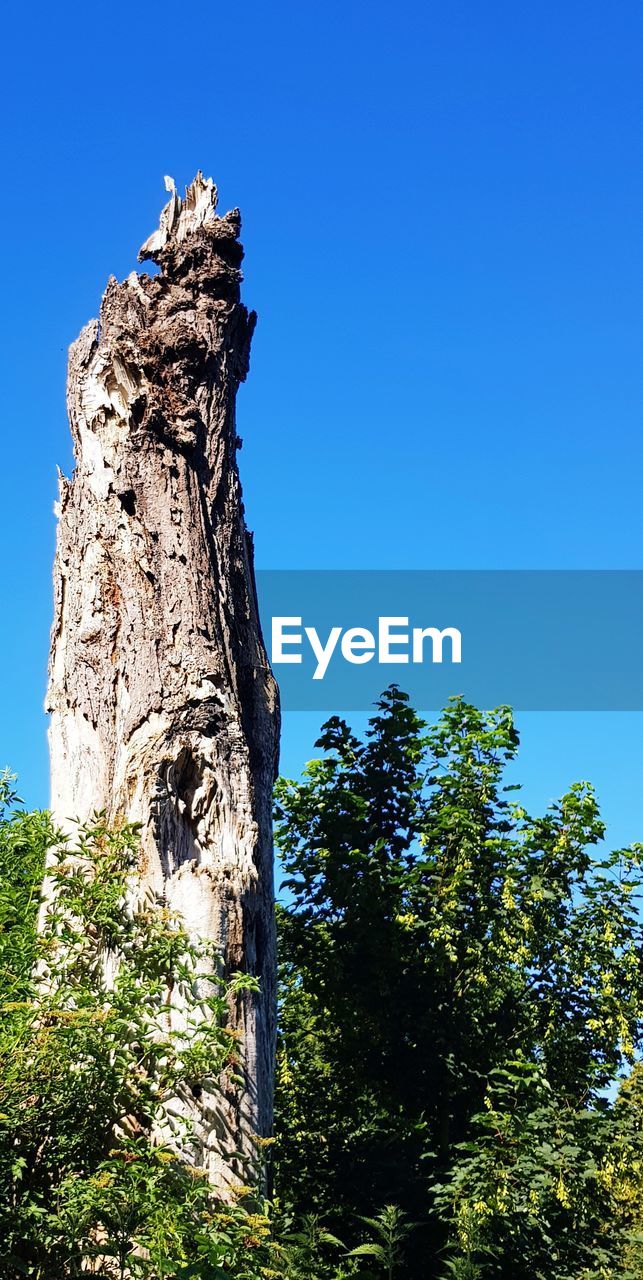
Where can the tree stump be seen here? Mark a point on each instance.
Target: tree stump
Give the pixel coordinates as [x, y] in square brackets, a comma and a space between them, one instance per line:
[163, 706]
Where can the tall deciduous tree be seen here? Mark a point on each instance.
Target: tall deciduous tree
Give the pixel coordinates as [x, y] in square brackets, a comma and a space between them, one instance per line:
[460, 985]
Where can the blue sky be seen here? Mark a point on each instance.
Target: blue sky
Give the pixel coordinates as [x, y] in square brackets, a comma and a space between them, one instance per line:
[442, 208]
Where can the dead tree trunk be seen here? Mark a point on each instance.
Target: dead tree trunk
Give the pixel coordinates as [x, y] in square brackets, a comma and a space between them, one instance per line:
[163, 706]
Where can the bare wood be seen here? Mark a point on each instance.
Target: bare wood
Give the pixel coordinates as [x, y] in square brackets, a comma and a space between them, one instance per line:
[163, 707]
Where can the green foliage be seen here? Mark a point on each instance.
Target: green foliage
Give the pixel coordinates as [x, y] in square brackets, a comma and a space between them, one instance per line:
[389, 1229]
[532, 1192]
[121, 1015]
[460, 985]
[311, 1251]
[25, 839]
[461, 995]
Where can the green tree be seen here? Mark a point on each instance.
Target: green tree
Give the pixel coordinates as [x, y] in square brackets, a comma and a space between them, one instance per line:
[447, 961]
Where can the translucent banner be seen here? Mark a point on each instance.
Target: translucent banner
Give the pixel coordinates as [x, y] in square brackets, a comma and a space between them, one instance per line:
[539, 640]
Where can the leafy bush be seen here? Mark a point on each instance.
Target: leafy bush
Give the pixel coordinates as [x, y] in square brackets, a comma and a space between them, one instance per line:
[95, 1169]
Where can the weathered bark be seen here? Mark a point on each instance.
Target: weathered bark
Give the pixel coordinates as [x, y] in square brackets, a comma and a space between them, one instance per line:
[163, 706]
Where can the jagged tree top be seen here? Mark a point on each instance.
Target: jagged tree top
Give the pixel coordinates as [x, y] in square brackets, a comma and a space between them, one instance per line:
[193, 238]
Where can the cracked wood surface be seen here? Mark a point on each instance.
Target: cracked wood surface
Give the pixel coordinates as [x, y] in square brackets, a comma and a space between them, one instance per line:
[163, 706]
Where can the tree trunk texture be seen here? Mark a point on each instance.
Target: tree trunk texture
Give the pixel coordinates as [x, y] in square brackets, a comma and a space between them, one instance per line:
[163, 706]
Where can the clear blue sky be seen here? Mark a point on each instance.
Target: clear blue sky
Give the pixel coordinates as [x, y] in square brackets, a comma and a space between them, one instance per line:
[442, 218]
